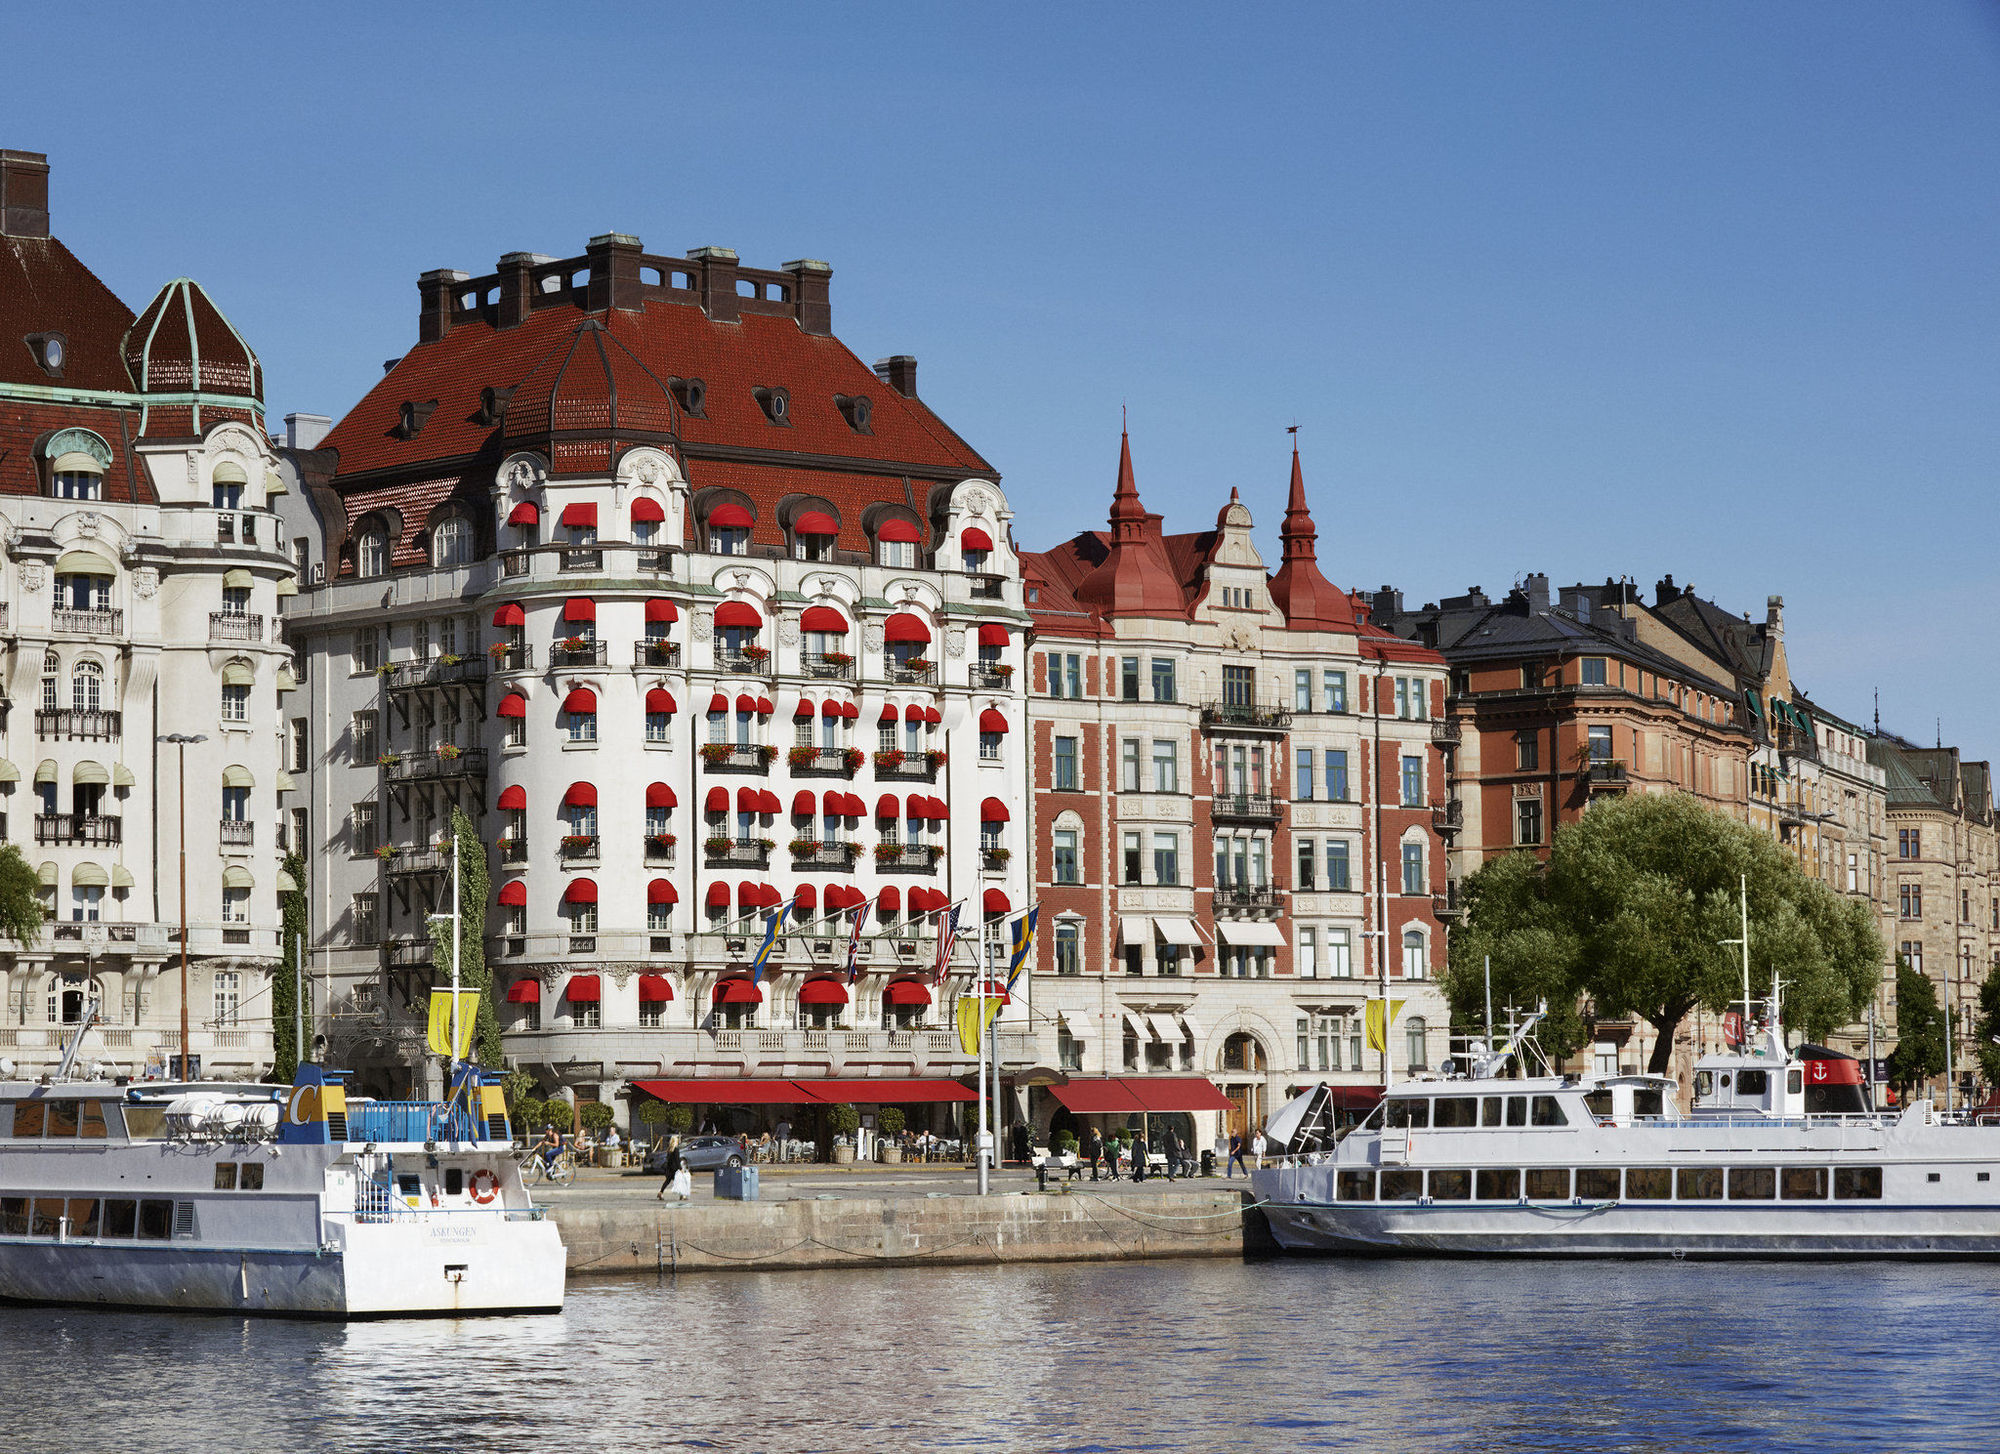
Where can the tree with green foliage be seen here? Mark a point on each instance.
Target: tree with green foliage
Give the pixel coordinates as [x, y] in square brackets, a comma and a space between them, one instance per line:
[289, 976]
[21, 913]
[1989, 1026]
[598, 1117]
[473, 888]
[1919, 1052]
[1631, 910]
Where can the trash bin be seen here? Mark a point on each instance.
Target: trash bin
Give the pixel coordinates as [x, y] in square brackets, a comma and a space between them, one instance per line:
[1208, 1163]
[736, 1184]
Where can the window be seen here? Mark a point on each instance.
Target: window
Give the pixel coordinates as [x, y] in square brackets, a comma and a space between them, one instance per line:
[1305, 774]
[989, 746]
[1415, 1053]
[76, 485]
[1336, 865]
[1163, 679]
[1910, 901]
[1132, 858]
[582, 726]
[236, 703]
[1065, 674]
[1065, 857]
[1527, 751]
[86, 903]
[1333, 686]
[1308, 957]
[1531, 675]
[1166, 858]
[1065, 764]
[1600, 744]
[1340, 965]
[1239, 687]
[1307, 877]
[296, 747]
[235, 804]
[362, 829]
[1128, 678]
[1166, 766]
[1413, 869]
[1413, 782]
[1069, 947]
[371, 553]
[367, 650]
[1302, 691]
[735, 540]
[361, 732]
[1410, 698]
[86, 686]
[1128, 765]
[1592, 671]
[236, 600]
[236, 906]
[228, 994]
[1527, 821]
[1336, 775]
[897, 554]
[657, 724]
[1913, 954]
[1909, 843]
[1416, 961]
[83, 593]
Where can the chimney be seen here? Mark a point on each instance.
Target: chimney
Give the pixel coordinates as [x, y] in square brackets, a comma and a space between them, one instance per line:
[24, 194]
[437, 295]
[899, 372]
[517, 285]
[810, 293]
[305, 431]
[1388, 605]
[1774, 615]
[717, 282]
[1665, 591]
[614, 272]
[1537, 588]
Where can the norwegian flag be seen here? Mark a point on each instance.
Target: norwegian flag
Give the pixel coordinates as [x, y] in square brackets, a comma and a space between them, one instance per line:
[947, 941]
[854, 941]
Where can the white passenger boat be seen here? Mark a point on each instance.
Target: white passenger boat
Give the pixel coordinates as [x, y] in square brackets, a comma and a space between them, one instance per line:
[267, 1199]
[1781, 1156]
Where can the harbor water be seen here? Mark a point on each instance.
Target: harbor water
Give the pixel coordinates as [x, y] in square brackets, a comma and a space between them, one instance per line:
[1175, 1355]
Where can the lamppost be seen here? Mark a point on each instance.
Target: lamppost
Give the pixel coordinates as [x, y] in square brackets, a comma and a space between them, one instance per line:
[181, 741]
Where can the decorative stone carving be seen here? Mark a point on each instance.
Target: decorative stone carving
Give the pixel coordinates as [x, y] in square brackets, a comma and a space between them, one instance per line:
[788, 631]
[954, 643]
[193, 468]
[648, 471]
[826, 585]
[620, 973]
[33, 576]
[145, 583]
[871, 636]
[702, 626]
[741, 578]
[87, 524]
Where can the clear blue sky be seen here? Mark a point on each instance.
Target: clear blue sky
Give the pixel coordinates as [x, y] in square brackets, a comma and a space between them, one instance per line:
[1587, 289]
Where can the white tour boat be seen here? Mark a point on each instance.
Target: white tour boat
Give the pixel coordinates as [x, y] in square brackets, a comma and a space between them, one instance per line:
[267, 1199]
[1781, 1156]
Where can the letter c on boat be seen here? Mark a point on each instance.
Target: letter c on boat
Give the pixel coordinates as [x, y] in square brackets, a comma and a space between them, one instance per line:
[302, 1105]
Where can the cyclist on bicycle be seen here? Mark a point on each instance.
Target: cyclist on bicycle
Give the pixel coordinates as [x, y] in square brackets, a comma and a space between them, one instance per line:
[548, 1148]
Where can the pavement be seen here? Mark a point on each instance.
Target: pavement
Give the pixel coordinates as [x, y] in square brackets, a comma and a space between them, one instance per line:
[806, 1181]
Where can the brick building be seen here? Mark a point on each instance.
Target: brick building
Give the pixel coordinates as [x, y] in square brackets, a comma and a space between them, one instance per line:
[1236, 794]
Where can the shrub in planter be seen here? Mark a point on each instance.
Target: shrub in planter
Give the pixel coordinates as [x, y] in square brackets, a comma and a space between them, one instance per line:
[802, 756]
[389, 759]
[1063, 1141]
[838, 658]
[527, 1114]
[719, 844]
[714, 752]
[575, 842]
[598, 1117]
[917, 663]
[885, 852]
[766, 754]
[767, 844]
[891, 759]
[998, 855]
[936, 757]
[889, 1121]
[498, 649]
[451, 753]
[1000, 670]
[661, 840]
[843, 1120]
[575, 643]
[805, 847]
[756, 653]
[853, 757]
[385, 851]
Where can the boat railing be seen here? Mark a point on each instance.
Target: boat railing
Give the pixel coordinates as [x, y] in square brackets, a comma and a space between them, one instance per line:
[374, 1204]
[1698, 1122]
[411, 1121]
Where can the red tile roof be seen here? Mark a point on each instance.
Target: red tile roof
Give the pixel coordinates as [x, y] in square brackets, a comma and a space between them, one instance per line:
[44, 289]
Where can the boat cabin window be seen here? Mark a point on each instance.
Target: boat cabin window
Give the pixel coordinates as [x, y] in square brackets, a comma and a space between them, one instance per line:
[156, 1221]
[121, 1218]
[1698, 1183]
[1408, 1113]
[29, 1117]
[454, 1179]
[225, 1176]
[1402, 1186]
[1803, 1183]
[1795, 1081]
[1455, 1111]
[1857, 1183]
[1649, 1183]
[1548, 1111]
[1649, 1100]
[1451, 1186]
[13, 1216]
[252, 1178]
[1752, 1184]
[1599, 1102]
[1498, 1186]
[145, 1123]
[1548, 1183]
[68, 1120]
[1355, 1186]
[1753, 1082]
[1597, 1183]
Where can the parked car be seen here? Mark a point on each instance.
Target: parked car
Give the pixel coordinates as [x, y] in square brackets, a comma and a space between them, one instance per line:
[699, 1153]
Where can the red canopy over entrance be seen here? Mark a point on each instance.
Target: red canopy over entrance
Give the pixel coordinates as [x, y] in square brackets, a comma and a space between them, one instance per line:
[1125, 1094]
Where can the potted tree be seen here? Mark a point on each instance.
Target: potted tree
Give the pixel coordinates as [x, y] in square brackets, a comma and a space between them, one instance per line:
[889, 1129]
[597, 1119]
[844, 1122]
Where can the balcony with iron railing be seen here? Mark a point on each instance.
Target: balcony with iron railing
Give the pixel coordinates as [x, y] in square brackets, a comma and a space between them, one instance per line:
[87, 623]
[660, 850]
[828, 665]
[440, 671]
[436, 765]
[992, 676]
[1448, 818]
[755, 662]
[916, 672]
[984, 587]
[512, 850]
[1448, 905]
[1605, 775]
[575, 558]
[237, 832]
[1244, 717]
[750, 852]
[656, 651]
[577, 651]
[434, 858]
[907, 857]
[1248, 898]
[511, 656]
[1246, 807]
[408, 951]
[1445, 732]
[78, 829]
[913, 767]
[731, 757]
[825, 761]
[235, 626]
[816, 853]
[67, 725]
[578, 847]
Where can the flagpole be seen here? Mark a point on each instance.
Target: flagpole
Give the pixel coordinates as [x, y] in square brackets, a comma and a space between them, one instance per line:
[454, 955]
[982, 1143]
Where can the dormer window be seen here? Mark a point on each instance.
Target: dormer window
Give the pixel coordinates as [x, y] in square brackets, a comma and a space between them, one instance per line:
[451, 542]
[77, 461]
[729, 530]
[975, 548]
[856, 410]
[813, 534]
[493, 404]
[413, 416]
[776, 404]
[50, 350]
[690, 394]
[371, 554]
[896, 542]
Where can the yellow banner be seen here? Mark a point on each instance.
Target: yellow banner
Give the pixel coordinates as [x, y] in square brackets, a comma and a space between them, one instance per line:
[440, 1028]
[1379, 1023]
[971, 1023]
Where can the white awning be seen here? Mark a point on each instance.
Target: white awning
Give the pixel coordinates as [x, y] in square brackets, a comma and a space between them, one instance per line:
[1190, 1024]
[1135, 929]
[1164, 1029]
[1244, 931]
[1179, 931]
[1135, 1023]
[1079, 1026]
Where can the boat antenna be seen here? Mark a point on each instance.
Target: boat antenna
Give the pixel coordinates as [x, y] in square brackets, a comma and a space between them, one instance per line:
[1743, 908]
[1489, 1001]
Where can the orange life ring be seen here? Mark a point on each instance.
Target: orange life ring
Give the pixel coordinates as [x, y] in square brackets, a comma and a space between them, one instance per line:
[485, 1186]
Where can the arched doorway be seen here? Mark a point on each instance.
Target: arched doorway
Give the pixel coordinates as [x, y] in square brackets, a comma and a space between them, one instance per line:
[1244, 1065]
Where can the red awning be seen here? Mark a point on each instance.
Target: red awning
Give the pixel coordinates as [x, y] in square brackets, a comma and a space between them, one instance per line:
[913, 713]
[580, 795]
[935, 810]
[583, 989]
[718, 896]
[749, 895]
[804, 708]
[718, 703]
[991, 721]
[646, 508]
[933, 716]
[991, 635]
[510, 615]
[717, 801]
[767, 802]
[886, 806]
[815, 522]
[805, 896]
[973, 538]
[736, 990]
[803, 803]
[747, 800]
[512, 705]
[580, 699]
[654, 987]
[513, 797]
[823, 618]
[729, 517]
[659, 699]
[993, 811]
[525, 513]
[822, 992]
[580, 513]
[765, 707]
[723, 1091]
[890, 900]
[660, 795]
[889, 714]
[513, 893]
[1354, 1097]
[995, 902]
[738, 613]
[746, 703]
[579, 608]
[525, 992]
[906, 992]
[1122, 1095]
[830, 708]
[898, 529]
[849, 711]
[659, 608]
[904, 627]
[662, 891]
[581, 891]
[873, 1092]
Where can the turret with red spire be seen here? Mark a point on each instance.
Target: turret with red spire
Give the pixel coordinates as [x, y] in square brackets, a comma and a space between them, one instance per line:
[1310, 601]
[1135, 577]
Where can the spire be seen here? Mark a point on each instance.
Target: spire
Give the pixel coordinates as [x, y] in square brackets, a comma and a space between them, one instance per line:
[1135, 578]
[1307, 598]
[1297, 532]
[1125, 506]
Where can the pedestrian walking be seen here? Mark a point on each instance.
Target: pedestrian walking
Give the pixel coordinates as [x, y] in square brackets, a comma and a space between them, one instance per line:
[674, 1167]
[1093, 1149]
[1111, 1157]
[1257, 1147]
[1235, 1156]
[1174, 1156]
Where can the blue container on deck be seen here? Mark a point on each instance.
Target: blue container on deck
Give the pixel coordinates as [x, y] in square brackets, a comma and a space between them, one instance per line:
[736, 1183]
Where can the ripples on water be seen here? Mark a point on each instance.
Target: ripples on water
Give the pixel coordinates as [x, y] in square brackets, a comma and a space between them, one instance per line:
[1144, 1356]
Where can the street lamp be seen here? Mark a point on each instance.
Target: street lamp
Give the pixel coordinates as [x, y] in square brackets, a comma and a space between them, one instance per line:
[181, 741]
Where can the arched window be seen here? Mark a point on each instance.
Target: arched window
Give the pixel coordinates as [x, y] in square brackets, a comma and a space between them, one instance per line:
[50, 668]
[86, 687]
[1416, 961]
[1242, 1052]
[451, 541]
[1416, 1055]
[371, 554]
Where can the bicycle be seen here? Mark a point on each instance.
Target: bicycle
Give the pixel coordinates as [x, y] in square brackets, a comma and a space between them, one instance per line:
[535, 1169]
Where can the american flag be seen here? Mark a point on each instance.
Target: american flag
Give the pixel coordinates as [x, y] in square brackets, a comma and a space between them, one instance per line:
[854, 941]
[947, 940]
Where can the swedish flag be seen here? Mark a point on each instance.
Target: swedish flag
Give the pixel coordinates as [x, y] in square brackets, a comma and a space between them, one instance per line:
[772, 926]
[1024, 945]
